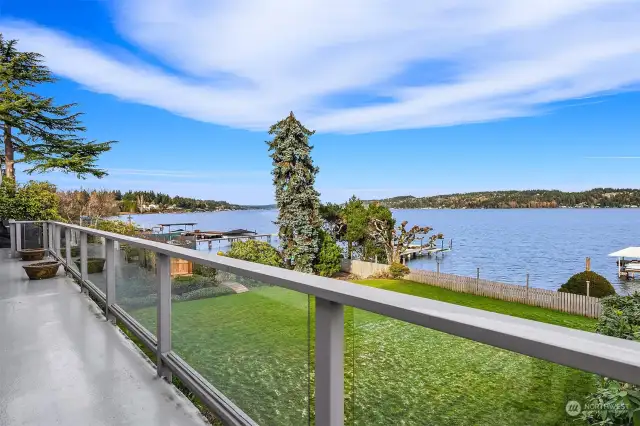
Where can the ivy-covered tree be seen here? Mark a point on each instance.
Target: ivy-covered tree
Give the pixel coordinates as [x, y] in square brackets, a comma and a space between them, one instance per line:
[34, 130]
[298, 202]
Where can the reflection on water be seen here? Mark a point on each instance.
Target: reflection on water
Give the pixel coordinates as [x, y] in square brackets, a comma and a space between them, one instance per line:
[550, 245]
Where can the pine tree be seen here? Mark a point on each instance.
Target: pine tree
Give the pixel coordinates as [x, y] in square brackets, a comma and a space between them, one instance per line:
[42, 134]
[299, 203]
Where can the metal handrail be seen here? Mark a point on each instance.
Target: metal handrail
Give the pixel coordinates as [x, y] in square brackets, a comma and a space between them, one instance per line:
[604, 355]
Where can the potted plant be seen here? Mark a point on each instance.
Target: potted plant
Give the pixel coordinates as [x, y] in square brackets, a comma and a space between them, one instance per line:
[95, 265]
[42, 270]
[32, 254]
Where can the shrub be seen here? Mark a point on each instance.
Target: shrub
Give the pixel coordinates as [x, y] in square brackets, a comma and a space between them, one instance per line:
[620, 317]
[31, 201]
[184, 284]
[256, 251]
[616, 403]
[599, 286]
[117, 227]
[204, 271]
[398, 270]
[329, 256]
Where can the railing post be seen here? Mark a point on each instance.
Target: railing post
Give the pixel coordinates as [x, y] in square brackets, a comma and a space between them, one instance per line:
[84, 274]
[111, 277]
[329, 363]
[163, 264]
[45, 236]
[527, 287]
[18, 237]
[67, 247]
[588, 285]
[12, 238]
[56, 240]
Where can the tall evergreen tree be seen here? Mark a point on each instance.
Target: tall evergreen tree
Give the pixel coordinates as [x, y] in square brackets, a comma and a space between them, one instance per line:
[299, 203]
[42, 134]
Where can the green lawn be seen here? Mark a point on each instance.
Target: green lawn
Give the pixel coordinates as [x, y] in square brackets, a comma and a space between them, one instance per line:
[255, 346]
[480, 302]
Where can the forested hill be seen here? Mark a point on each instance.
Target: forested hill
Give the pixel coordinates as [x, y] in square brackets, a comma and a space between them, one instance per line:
[598, 197]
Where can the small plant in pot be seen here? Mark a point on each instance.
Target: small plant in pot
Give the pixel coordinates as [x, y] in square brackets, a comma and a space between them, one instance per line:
[32, 254]
[95, 265]
[42, 270]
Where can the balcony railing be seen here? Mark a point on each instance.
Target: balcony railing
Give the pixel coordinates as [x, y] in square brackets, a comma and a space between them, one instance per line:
[315, 342]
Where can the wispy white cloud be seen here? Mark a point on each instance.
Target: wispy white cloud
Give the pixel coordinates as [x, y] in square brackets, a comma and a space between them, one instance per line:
[246, 63]
[188, 174]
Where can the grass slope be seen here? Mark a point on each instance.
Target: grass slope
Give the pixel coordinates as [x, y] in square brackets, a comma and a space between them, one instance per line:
[255, 346]
[485, 303]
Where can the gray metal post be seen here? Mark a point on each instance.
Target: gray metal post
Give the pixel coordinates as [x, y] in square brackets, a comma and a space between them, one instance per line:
[12, 238]
[67, 247]
[18, 237]
[588, 285]
[329, 363]
[56, 240]
[163, 332]
[84, 273]
[477, 279]
[527, 287]
[111, 277]
[45, 236]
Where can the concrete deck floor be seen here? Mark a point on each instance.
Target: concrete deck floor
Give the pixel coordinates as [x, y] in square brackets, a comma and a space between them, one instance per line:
[62, 363]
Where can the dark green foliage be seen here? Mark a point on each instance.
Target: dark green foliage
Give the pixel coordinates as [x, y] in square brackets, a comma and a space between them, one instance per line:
[131, 199]
[204, 271]
[597, 197]
[620, 317]
[616, 403]
[599, 286]
[255, 251]
[32, 201]
[398, 270]
[185, 284]
[34, 129]
[298, 202]
[329, 257]
[349, 224]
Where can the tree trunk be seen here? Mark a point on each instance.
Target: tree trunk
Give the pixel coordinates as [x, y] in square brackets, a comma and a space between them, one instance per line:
[349, 250]
[8, 154]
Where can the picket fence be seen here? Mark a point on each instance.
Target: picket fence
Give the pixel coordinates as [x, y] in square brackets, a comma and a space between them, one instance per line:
[564, 302]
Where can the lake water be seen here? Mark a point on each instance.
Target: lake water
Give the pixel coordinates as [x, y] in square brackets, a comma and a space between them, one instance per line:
[549, 244]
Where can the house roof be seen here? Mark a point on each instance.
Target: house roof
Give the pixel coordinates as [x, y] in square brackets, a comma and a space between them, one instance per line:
[627, 252]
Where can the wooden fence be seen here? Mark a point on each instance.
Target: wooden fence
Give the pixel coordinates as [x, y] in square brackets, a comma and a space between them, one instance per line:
[564, 302]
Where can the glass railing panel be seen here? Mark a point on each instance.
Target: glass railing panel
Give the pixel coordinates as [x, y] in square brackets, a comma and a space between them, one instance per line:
[31, 235]
[250, 340]
[96, 255]
[410, 375]
[136, 284]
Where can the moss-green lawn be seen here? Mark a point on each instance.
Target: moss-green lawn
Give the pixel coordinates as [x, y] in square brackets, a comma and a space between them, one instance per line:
[254, 347]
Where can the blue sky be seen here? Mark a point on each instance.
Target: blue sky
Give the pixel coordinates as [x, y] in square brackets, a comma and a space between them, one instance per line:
[427, 98]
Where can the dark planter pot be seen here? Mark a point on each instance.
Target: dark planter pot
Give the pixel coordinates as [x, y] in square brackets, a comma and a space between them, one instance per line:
[75, 251]
[95, 265]
[42, 270]
[32, 254]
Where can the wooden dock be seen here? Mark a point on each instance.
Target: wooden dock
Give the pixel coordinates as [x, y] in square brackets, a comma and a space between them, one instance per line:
[416, 250]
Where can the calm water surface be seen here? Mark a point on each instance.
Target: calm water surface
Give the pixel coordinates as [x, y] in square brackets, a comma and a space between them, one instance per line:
[550, 245]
